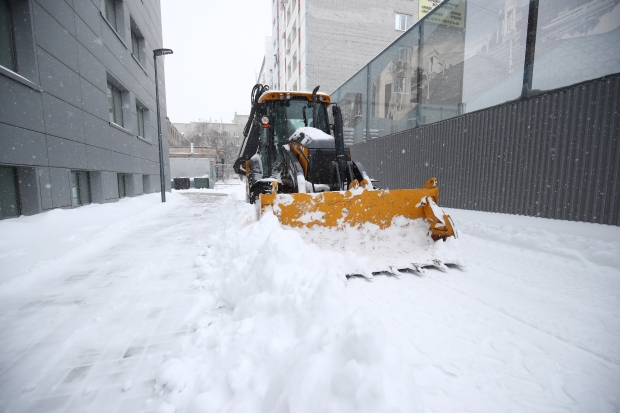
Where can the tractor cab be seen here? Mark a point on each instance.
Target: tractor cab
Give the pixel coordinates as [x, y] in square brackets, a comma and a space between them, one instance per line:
[283, 115]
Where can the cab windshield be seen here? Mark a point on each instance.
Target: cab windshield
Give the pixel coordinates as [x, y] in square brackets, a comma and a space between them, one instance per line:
[296, 113]
[287, 116]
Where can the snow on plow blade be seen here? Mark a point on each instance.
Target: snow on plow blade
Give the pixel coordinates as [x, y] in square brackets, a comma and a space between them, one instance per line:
[358, 207]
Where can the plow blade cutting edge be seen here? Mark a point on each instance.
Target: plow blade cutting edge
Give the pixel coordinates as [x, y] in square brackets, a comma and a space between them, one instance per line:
[396, 229]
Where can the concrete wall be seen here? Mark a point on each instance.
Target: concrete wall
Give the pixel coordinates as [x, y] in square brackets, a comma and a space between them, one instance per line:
[189, 167]
[54, 109]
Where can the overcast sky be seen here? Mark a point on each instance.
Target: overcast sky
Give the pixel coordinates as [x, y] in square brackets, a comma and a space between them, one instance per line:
[218, 50]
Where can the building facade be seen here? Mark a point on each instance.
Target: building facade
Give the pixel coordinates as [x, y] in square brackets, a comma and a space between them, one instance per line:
[265, 74]
[321, 42]
[78, 119]
[200, 132]
[175, 137]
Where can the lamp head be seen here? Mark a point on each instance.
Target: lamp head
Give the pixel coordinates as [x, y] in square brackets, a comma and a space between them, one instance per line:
[161, 52]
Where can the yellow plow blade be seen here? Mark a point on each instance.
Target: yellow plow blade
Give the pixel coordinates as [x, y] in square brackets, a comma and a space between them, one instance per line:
[359, 206]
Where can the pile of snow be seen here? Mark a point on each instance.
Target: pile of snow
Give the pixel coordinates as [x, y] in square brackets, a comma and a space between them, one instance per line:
[272, 331]
[403, 243]
[312, 137]
[585, 242]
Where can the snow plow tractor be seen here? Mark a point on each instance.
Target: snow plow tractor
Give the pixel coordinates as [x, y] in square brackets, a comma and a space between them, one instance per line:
[296, 166]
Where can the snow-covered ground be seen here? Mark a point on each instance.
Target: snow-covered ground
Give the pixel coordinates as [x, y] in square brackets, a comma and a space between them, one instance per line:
[192, 306]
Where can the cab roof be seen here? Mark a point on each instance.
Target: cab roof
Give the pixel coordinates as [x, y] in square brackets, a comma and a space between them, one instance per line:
[275, 95]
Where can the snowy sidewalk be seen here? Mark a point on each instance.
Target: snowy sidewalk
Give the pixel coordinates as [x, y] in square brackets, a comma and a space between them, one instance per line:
[95, 305]
[189, 306]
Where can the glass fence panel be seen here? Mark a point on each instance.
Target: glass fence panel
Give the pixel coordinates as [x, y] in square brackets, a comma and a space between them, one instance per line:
[394, 85]
[494, 52]
[352, 101]
[440, 59]
[468, 55]
[576, 40]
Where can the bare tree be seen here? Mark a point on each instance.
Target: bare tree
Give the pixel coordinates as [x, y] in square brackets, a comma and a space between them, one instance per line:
[206, 136]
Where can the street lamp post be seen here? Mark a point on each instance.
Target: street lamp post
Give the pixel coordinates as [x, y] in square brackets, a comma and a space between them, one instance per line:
[162, 177]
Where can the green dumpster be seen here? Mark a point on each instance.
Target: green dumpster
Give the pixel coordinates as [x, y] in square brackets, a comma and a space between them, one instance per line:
[201, 183]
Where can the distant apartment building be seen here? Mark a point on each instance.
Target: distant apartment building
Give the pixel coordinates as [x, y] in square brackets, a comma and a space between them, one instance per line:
[175, 137]
[201, 130]
[265, 75]
[78, 120]
[207, 148]
[321, 42]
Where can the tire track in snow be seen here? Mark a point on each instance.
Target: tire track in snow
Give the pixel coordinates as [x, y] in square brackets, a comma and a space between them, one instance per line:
[601, 357]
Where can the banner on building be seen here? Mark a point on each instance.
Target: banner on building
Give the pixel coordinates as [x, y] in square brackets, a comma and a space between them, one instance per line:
[451, 14]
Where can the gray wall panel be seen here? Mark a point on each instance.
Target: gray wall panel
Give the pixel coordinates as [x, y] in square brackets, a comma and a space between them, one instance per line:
[66, 153]
[96, 131]
[62, 119]
[130, 189]
[556, 155]
[58, 80]
[29, 201]
[45, 188]
[96, 187]
[21, 146]
[61, 187]
[142, 148]
[110, 185]
[54, 38]
[122, 163]
[89, 14]
[138, 187]
[115, 54]
[91, 68]
[61, 12]
[94, 101]
[98, 159]
[89, 39]
[120, 140]
[15, 99]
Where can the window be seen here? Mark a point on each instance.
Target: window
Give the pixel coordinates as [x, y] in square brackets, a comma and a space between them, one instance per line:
[9, 196]
[137, 42]
[109, 7]
[7, 43]
[404, 54]
[80, 188]
[17, 45]
[122, 193]
[140, 116]
[135, 45]
[403, 21]
[115, 105]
